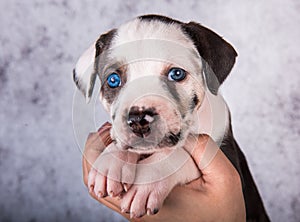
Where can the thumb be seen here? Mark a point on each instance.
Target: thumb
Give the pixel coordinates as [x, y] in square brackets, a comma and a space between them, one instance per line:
[210, 159]
[95, 144]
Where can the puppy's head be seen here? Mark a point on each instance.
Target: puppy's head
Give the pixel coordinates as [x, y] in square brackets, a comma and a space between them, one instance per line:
[154, 72]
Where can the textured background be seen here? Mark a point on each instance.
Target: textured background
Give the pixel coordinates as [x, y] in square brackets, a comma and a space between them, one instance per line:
[40, 164]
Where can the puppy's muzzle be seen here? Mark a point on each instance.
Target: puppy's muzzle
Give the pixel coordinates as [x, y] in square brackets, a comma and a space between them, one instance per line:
[146, 116]
[140, 121]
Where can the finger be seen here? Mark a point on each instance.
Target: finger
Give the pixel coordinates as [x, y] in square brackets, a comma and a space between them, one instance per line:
[104, 127]
[95, 144]
[85, 171]
[98, 141]
[93, 147]
[210, 159]
[196, 145]
[90, 154]
[112, 203]
[104, 133]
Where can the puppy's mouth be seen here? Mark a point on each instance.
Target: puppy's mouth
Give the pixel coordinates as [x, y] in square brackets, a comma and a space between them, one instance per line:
[170, 140]
[142, 145]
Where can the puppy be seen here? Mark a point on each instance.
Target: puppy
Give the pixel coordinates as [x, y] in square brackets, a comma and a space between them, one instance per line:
[159, 83]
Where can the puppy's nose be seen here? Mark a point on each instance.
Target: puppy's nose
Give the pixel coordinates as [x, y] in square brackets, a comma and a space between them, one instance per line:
[139, 121]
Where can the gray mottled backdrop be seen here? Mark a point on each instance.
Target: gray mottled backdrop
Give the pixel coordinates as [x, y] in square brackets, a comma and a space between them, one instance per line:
[40, 164]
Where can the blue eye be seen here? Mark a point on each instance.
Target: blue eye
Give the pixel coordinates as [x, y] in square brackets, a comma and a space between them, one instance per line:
[176, 74]
[113, 80]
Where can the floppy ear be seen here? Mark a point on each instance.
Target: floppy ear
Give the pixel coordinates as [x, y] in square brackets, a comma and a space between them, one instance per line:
[85, 71]
[218, 55]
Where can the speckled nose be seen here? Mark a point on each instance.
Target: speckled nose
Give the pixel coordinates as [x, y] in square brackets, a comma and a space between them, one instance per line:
[139, 120]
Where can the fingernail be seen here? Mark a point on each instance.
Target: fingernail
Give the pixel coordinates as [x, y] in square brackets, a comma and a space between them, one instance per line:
[104, 127]
[91, 189]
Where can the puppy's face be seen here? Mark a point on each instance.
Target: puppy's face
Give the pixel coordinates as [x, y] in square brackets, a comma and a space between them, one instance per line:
[153, 78]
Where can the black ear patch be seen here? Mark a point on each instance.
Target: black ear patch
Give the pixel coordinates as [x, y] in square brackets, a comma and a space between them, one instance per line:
[161, 18]
[85, 73]
[104, 41]
[219, 56]
[75, 79]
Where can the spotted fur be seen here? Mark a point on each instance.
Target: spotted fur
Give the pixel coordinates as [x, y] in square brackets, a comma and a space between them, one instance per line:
[142, 51]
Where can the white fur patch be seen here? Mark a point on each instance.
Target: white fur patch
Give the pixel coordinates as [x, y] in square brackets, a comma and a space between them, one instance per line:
[139, 30]
[212, 118]
[150, 42]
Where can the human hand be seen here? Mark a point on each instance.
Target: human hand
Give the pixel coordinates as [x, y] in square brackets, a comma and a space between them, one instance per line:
[215, 196]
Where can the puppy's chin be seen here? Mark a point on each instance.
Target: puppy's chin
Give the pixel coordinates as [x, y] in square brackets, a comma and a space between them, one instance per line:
[146, 151]
[151, 149]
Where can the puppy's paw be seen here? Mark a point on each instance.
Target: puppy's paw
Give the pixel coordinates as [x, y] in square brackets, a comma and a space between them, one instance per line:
[145, 198]
[113, 171]
[155, 177]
